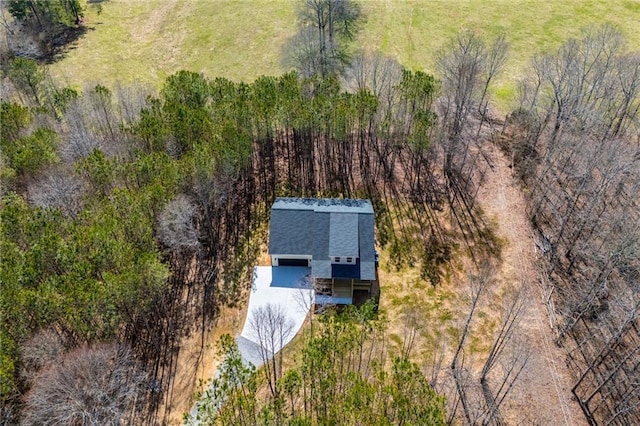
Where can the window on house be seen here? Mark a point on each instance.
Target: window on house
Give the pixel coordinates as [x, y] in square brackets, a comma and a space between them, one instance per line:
[337, 260]
[349, 259]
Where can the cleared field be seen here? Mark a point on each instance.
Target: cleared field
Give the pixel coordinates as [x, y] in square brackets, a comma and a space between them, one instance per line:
[146, 40]
[413, 30]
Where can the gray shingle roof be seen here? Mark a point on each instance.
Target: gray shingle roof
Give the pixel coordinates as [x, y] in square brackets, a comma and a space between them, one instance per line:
[343, 234]
[366, 238]
[290, 231]
[367, 270]
[321, 268]
[322, 228]
[320, 224]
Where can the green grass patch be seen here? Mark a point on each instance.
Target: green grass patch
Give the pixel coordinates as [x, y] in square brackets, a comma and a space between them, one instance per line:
[445, 315]
[144, 41]
[413, 30]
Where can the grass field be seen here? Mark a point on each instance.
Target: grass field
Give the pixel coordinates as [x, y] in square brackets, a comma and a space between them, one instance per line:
[413, 31]
[146, 40]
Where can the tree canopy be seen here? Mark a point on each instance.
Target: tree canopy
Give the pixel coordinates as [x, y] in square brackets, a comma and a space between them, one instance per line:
[344, 376]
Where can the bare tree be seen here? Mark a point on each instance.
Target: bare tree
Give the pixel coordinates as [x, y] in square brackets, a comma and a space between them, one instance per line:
[90, 386]
[461, 65]
[467, 67]
[301, 53]
[412, 327]
[58, 188]
[272, 329]
[305, 298]
[78, 138]
[321, 45]
[576, 137]
[8, 25]
[39, 351]
[131, 100]
[479, 284]
[95, 121]
[481, 392]
[507, 352]
[375, 72]
[512, 363]
[176, 227]
[496, 60]
[513, 308]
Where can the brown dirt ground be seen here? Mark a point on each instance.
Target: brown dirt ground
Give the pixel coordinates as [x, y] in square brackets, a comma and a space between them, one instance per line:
[195, 366]
[543, 392]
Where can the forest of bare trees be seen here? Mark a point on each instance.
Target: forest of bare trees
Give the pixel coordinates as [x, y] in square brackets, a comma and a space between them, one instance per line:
[575, 143]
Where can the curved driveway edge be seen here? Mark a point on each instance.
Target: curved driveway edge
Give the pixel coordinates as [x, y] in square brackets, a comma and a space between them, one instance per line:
[286, 287]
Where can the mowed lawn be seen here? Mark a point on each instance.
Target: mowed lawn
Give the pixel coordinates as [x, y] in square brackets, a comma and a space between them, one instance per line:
[146, 40]
[413, 31]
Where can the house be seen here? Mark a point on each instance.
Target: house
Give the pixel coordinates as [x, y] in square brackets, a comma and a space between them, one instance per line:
[334, 238]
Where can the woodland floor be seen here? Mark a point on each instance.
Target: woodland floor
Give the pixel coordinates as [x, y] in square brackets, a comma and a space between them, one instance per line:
[197, 363]
[543, 392]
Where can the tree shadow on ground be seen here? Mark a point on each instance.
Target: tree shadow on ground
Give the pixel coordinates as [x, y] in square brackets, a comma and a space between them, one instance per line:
[41, 46]
[60, 45]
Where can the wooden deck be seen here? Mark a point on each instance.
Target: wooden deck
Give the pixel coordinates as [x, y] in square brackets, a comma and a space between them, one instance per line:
[359, 291]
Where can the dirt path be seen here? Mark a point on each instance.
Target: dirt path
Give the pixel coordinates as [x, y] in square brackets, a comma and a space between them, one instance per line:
[543, 393]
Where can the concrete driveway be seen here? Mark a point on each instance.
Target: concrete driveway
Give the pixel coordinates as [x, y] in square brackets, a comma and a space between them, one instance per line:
[285, 287]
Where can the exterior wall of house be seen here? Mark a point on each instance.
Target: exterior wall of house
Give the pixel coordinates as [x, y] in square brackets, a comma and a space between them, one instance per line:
[344, 260]
[362, 285]
[324, 286]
